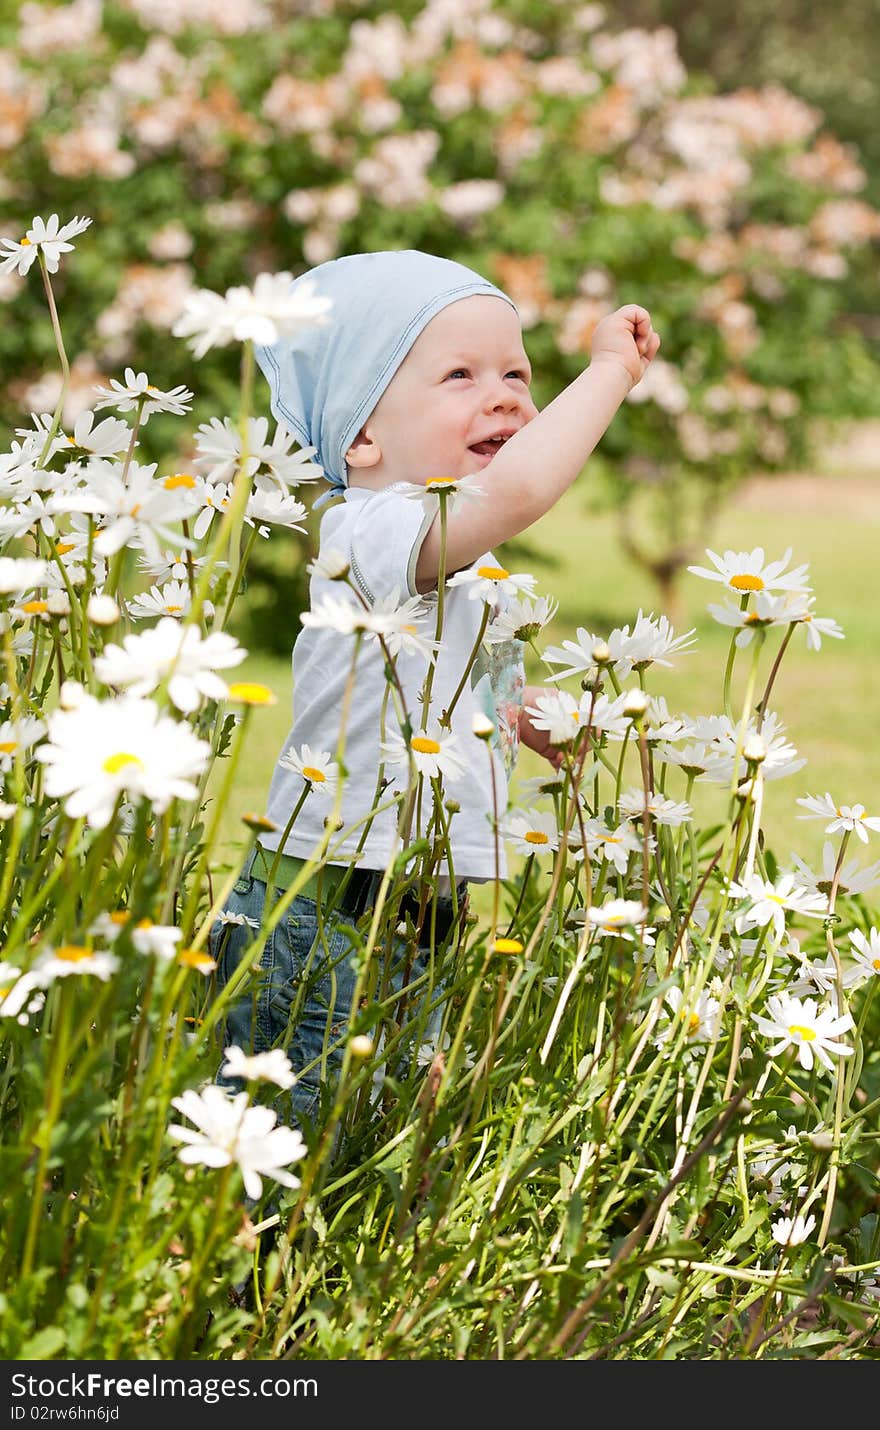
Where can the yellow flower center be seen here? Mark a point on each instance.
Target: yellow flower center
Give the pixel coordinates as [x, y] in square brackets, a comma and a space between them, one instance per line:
[119, 916]
[135, 509]
[507, 945]
[536, 836]
[746, 582]
[250, 693]
[876, 964]
[151, 388]
[144, 924]
[4, 991]
[316, 776]
[62, 547]
[72, 953]
[174, 610]
[70, 442]
[7, 746]
[35, 608]
[180, 479]
[24, 243]
[440, 482]
[194, 958]
[693, 1022]
[807, 1034]
[423, 746]
[114, 763]
[492, 573]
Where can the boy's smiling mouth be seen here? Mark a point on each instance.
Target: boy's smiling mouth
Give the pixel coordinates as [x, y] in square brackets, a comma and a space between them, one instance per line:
[490, 446]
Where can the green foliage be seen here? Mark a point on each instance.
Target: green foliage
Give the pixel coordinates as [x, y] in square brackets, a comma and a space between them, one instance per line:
[725, 206]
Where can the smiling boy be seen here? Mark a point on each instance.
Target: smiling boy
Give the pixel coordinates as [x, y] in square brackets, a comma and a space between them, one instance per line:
[420, 377]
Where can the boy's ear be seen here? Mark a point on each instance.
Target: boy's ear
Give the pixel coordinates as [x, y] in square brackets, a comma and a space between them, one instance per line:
[364, 450]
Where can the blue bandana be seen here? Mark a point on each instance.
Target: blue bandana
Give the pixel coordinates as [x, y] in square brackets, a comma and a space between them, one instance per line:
[326, 380]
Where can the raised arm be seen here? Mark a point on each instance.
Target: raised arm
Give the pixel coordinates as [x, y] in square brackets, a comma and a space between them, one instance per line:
[539, 463]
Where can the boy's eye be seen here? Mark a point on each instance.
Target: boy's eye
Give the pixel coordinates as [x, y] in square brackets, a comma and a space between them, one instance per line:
[458, 372]
[520, 375]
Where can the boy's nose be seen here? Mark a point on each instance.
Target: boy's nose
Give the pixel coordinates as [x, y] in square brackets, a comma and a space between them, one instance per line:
[502, 398]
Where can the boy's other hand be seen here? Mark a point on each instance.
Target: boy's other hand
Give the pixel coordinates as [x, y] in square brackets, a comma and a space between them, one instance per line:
[627, 338]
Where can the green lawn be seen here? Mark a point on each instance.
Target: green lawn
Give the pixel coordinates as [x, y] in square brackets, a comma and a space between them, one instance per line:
[827, 699]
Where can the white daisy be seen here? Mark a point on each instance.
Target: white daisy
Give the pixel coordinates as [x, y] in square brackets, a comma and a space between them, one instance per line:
[521, 620]
[273, 1066]
[102, 439]
[138, 507]
[73, 959]
[21, 573]
[651, 640]
[137, 391]
[172, 599]
[178, 654]
[402, 625]
[618, 918]
[769, 902]
[316, 767]
[768, 610]
[791, 1231]
[329, 565]
[454, 491]
[275, 509]
[19, 995]
[843, 817]
[491, 583]
[746, 572]
[434, 755]
[102, 750]
[43, 236]
[701, 1017]
[780, 756]
[603, 715]
[531, 831]
[866, 952]
[264, 314]
[794, 1022]
[17, 737]
[160, 940]
[558, 713]
[815, 627]
[851, 878]
[272, 464]
[231, 1131]
[633, 802]
[615, 845]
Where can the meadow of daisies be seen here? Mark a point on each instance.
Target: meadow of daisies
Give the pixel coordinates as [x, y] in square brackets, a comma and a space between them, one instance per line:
[647, 1125]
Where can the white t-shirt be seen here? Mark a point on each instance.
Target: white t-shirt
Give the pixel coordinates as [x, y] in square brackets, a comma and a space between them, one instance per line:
[381, 535]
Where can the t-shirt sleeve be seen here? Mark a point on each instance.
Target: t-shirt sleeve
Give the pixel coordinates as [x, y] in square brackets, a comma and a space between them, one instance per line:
[386, 539]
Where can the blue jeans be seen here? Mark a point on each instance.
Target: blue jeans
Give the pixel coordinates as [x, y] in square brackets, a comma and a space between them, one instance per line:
[300, 993]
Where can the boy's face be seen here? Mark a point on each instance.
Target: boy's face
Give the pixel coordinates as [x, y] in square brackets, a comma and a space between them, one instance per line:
[464, 382]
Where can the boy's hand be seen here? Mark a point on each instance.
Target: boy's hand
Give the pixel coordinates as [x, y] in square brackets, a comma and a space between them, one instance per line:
[537, 740]
[627, 338]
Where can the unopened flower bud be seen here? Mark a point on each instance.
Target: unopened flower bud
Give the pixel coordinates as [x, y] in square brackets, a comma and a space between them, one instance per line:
[58, 603]
[635, 706]
[333, 824]
[102, 610]
[755, 750]
[482, 726]
[71, 694]
[451, 806]
[591, 679]
[601, 653]
[361, 1046]
[820, 1140]
[748, 790]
